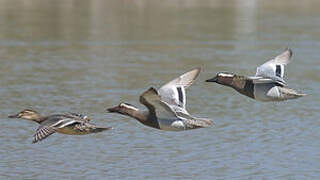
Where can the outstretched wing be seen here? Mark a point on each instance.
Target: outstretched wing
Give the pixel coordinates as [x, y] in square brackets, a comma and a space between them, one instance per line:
[174, 93]
[51, 126]
[42, 133]
[156, 106]
[274, 68]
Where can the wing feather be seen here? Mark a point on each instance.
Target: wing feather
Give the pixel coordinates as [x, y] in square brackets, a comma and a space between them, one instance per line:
[51, 126]
[275, 67]
[42, 133]
[174, 91]
[156, 106]
[263, 80]
[163, 110]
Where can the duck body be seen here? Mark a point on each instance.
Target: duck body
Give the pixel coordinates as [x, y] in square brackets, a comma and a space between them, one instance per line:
[274, 92]
[70, 124]
[269, 91]
[173, 123]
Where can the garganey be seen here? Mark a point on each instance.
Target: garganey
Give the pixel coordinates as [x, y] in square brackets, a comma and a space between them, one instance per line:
[68, 123]
[166, 106]
[268, 83]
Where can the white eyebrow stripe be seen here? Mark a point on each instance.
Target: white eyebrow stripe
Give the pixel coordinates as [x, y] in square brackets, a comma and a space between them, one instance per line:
[226, 75]
[130, 107]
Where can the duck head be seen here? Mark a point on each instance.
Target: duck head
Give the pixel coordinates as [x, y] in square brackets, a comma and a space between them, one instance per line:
[224, 78]
[27, 114]
[123, 108]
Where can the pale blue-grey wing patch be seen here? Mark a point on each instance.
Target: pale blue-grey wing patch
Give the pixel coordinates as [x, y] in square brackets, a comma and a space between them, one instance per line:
[266, 80]
[173, 95]
[174, 91]
[275, 67]
[271, 70]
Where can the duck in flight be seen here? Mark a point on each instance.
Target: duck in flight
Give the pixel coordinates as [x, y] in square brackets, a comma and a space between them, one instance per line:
[166, 106]
[268, 83]
[68, 123]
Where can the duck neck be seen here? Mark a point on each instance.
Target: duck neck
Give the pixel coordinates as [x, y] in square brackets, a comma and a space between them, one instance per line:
[138, 115]
[37, 118]
[144, 117]
[238, 82]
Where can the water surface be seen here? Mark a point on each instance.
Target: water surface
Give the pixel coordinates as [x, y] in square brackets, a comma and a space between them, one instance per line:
[86, 56]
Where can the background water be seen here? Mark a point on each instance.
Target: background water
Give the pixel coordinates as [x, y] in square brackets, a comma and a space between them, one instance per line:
[86, 56]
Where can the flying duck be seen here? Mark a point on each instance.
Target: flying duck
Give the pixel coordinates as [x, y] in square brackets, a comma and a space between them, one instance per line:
[166, 106]
[68, 123]
[268, 83]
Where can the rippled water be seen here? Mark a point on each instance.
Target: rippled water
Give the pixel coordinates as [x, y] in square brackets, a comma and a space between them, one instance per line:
[85, 56]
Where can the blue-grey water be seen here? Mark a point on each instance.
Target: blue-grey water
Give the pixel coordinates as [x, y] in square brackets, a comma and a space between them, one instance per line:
[85, 56]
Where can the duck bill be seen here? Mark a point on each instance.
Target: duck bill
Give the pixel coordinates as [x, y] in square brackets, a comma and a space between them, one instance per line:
[113, 109]
[215, 79]
[14, 116]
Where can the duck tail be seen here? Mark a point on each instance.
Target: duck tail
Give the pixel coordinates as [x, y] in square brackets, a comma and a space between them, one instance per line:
[206, 122]
[100, 129]
[301, 94]
[290, 93]
[200, 122]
